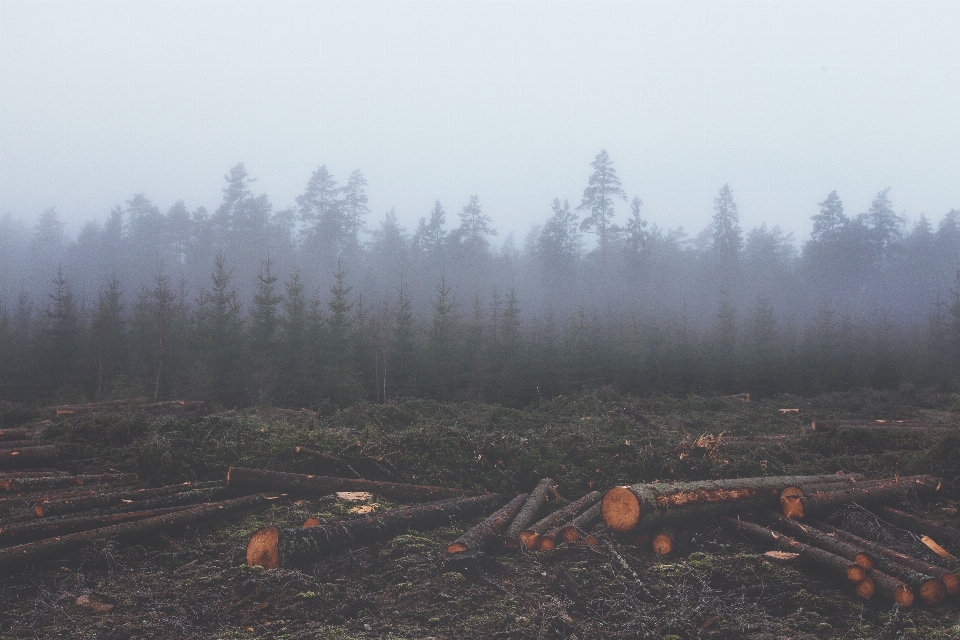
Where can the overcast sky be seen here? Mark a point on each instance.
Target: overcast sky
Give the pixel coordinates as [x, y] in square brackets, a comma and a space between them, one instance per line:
[785, 101]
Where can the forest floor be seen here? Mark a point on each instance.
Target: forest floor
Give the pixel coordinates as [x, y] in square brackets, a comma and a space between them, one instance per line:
[195, 584]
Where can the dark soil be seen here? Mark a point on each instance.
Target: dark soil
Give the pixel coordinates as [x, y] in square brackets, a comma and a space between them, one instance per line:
[194, 583]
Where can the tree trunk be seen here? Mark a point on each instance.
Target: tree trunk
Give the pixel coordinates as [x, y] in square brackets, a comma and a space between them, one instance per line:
[925, 578]
[624, 507]
[186, 493]
[826, 561]
[578, 527]
[893, 426]
[812, 536]
[923, 525]
[263, 480]
[528, 514]
[483, 535]
[530, 537]
[13, 434]
[20, 555]
[55, 482]
[663, 541]
[27, 456]
[15, 475]
[891, 589]
[820, 502]
[790, 496]
[272, 547]
[20, 533]
[340, 465]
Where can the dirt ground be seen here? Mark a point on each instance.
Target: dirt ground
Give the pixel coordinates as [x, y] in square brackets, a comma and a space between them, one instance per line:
[193, 583]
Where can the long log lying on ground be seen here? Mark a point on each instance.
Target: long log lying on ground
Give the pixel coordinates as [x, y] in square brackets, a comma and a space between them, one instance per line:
[950, 579]
[756, 441]
[539, 535]
[830, 563]
[272, 547]
[92, 407]
[484, 534]
[923, 525]
[178, 493]
[263, 480]
[30, 498]
[13, 434]
[626, 506]
[19, 533]
[55, 482]
[821, 502]
[174, 405]
[892, 426]
[790, 496]
[340, 465]
[528, 513]
[20, 555]
[27, 456]
[13, 475]
[579, 526]
[817, 538]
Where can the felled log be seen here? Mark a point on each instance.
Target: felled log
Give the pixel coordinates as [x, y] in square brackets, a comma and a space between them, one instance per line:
[528, 513]
[13, 434]
[790, 495]
[24, 554]
[530, 537]
[757, 441]
[27, 456]
[30, 498]
[263, 480]
[577, 528]
[817, 538]
[186, 493]
[896, 426]
[813, 503]
[174, 405]
[824, 560]
[341, 465]
[491, 529]
[664, 539]
[55, 482]
[272, 547]
[33, 473]
[22, 532]
[924, 577]
[891, 589]
[625, 507]
[93, 407]
[923, 525]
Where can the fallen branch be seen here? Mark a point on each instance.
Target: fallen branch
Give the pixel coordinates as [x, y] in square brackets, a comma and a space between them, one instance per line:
[624, 507]
[20, 533]
[528, 513]
[273, 547]
[541, 536]
[263, 480]
[817, 538]
[483, 535]
[20, 555]
[923, 525]
[334, 461]
[933, 583]
[819, 502]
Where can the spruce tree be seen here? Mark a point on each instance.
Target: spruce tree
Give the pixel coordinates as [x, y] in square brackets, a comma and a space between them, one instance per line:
[108, 337]
[264, 334]
[602, 188]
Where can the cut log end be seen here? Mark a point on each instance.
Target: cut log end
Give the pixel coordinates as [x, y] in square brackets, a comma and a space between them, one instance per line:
[866, 588]
[569, 534]
[263, 550]
[38, 510]
[529, 539]
[309, 523]
[791, 503]
[903, 596]
[620, 509]
[951, 582]
[456, 547]
[662, 543]
[933, 591]
[865, 560]
[546, 543]
[856, 573]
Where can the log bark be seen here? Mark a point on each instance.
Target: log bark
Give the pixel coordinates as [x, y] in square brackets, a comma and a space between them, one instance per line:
[663, 541]
[824, 560]
[263, 480]
[27, 456]
[93, 407]
[55, 482]
[273, 547]
[528, 513]
[13, 475]
[22, 532]
[13, 434]
[925, 578]
[790, 496]
[579, 526]
[530, 536]
[28, 499]
[484, 534]
[810, 535]
[923, 525]
[160, 497]
[866, 588]
[891, 589]
[626, 506]
[21, 555]
[893, 426]
[820, 502]
[341, 465]
[758, 441]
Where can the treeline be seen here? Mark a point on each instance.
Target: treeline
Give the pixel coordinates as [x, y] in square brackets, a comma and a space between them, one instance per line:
[247, 305]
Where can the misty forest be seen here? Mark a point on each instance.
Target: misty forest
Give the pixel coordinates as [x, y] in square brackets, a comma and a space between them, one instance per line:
[328, 302]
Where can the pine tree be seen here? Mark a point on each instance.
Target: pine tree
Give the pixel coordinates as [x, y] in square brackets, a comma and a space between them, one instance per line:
[319, 209]
[443, 352]
[63, 338]
[341, 376]
[885, 224]
[474, 226]
[264, 334]
[558, 244]
[727, 234]
[636, 230]
[108, 336]
[598, 196]
[404, 346]
[828, 223]
[220, 331]
[295, 379]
